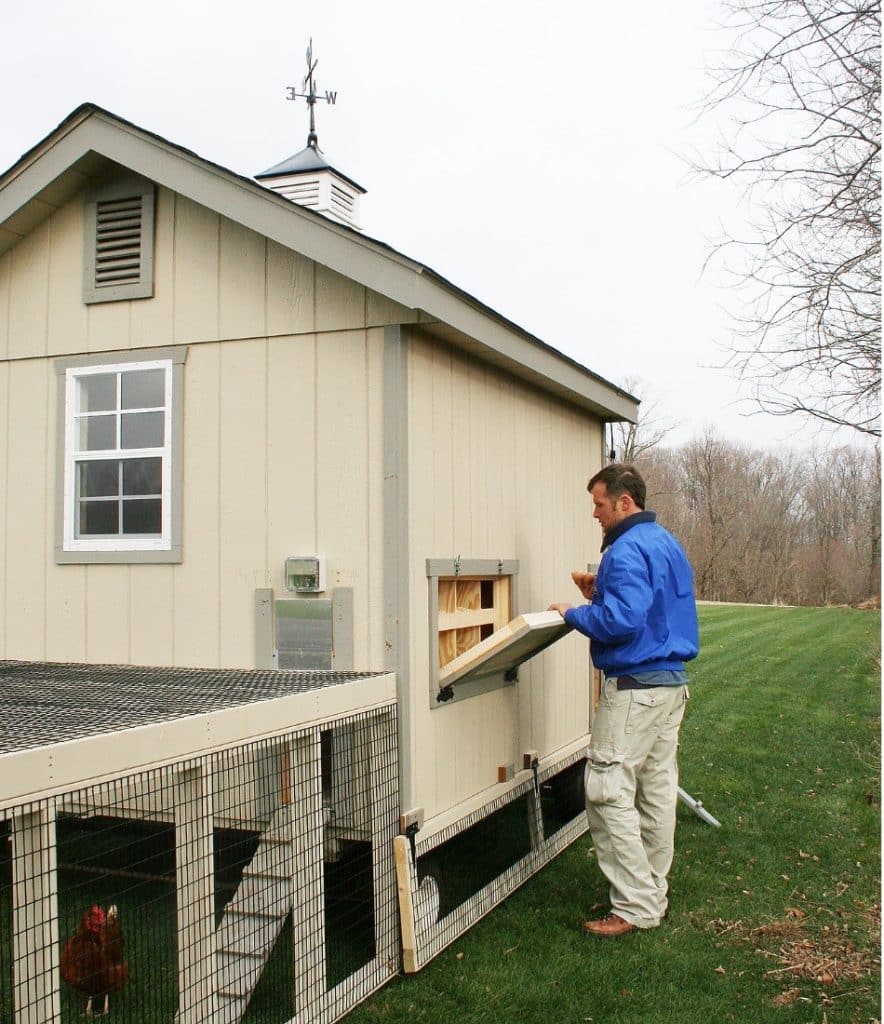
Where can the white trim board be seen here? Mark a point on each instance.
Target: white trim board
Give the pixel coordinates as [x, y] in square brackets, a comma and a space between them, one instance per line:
[38, 772]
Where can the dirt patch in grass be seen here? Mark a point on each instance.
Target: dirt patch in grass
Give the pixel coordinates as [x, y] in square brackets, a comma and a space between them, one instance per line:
[834, 956]
[828, 958]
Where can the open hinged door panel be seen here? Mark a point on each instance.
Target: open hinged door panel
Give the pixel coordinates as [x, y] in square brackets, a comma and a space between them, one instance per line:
[502, 652]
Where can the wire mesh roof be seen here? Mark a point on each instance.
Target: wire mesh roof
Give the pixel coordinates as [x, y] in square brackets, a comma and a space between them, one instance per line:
[43, 703]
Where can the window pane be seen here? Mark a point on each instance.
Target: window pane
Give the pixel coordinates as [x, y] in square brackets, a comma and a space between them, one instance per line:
[98, 433]
[143, 476]
[99, 517]
[98, 392]
[143, 516]
[143, 389]
[99, 479]
[142, 430]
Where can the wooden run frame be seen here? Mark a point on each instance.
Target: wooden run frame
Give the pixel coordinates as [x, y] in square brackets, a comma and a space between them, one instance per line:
[468, 599]
[179, 758]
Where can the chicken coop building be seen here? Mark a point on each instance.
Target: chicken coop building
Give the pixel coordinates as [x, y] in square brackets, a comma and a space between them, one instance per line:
[251, 455]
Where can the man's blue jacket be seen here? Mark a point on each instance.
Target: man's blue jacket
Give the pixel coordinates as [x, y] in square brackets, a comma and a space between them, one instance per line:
[643, 617]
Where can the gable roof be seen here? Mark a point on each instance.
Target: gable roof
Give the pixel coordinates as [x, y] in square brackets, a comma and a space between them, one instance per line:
[59, 166]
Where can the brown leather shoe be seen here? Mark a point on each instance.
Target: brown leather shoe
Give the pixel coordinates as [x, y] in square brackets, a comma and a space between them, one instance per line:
[611, 926]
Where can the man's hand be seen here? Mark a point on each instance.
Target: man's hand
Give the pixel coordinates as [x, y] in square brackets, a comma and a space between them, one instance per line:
[585, 583]
[560, 608]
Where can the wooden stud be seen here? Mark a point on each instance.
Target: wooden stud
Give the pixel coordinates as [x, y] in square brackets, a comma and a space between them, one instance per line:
[447, 595]
[383, 798]
[505, 772]
[447, 647]
[194, 868]
[464, 619]
[35, 951]
[406, 882]
[502, 601]
[469, 594]
[308, 902]
[468, 638]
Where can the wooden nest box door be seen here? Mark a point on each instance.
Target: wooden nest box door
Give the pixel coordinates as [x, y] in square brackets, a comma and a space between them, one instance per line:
[478, 640]
[470, 610]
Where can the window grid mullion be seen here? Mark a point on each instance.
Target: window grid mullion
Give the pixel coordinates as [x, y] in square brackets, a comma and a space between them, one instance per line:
[119, 417]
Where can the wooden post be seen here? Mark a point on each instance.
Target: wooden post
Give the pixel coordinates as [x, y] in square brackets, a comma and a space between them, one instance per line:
[384, 806]
[406, 883]
[308, 896]
[35, 954]
[195, 871]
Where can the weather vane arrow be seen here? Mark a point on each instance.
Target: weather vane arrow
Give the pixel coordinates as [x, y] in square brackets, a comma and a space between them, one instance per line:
[310, 94]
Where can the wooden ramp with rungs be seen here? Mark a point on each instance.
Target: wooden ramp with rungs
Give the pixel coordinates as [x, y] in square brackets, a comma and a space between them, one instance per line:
[254, 917]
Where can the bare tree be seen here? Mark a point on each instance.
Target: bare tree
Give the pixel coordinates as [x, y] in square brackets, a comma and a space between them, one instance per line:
[630, 441]
[802, 86]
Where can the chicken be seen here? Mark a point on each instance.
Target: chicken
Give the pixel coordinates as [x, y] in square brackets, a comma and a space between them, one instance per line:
[92, 959]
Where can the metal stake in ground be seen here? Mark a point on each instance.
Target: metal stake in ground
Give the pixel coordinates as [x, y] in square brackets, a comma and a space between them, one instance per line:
[697, 807]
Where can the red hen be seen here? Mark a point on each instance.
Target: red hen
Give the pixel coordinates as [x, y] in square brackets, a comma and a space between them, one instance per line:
[92, 959]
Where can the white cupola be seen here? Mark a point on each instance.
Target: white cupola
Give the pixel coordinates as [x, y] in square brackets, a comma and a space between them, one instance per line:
[308, 179]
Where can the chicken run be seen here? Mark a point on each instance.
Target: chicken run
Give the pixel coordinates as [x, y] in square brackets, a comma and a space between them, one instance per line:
[224, 847]
[175, 868]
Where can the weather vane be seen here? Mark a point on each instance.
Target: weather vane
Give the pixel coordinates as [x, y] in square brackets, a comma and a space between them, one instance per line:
[310, 86]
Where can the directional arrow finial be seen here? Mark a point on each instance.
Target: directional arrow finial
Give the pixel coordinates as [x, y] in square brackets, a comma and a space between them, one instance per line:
[310, 89]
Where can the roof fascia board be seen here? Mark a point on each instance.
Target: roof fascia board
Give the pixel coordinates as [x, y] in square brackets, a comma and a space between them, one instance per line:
[35, 178]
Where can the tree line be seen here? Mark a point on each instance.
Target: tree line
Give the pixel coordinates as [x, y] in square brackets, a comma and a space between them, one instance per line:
[772, 528]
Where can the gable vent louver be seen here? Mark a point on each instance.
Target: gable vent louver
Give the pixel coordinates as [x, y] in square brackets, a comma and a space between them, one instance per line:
[119, 241]
[118, 232]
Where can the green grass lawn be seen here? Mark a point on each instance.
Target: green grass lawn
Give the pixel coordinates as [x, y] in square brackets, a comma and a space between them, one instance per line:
[775, 917]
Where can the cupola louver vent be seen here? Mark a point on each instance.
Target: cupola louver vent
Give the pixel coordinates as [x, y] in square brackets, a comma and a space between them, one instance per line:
[308, 179]
[119, 242]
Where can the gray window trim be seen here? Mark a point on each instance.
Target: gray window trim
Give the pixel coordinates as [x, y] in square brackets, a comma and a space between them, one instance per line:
[119, 189]
[445, 567]
[177, 355]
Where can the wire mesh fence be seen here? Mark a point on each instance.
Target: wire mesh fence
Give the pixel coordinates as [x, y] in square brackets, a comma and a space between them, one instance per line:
[451, 878]
[562, 797]
[251, 884]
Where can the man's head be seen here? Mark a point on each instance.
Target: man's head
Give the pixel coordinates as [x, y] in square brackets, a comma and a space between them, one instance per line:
[617, 491]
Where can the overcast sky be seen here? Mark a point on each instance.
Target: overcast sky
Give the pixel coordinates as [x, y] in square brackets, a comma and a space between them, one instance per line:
[532, 153]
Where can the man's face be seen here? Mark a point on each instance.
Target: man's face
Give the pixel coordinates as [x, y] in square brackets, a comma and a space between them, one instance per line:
[609, 511]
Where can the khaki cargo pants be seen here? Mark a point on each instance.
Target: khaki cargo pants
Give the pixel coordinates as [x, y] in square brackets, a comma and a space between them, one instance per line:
[631, 792]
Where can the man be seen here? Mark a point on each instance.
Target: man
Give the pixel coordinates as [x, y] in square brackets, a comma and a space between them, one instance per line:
[642, 625]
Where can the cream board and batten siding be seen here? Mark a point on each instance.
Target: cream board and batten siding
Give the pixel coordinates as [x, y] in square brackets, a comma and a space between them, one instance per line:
[282, 440]
[496, 469]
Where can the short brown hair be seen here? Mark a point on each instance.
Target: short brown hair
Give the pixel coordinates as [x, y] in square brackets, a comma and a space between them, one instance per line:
[619, 478]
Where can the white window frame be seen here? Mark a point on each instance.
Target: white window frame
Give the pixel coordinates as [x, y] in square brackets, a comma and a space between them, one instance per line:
[162, 547]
